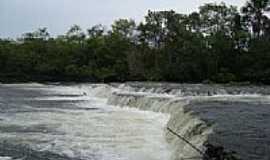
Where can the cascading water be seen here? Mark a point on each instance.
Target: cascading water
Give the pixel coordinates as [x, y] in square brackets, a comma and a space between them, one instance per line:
[234, 117]
[55, 122]
[118, 121]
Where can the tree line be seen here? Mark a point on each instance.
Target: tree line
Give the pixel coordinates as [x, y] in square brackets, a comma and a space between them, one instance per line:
[217, 44]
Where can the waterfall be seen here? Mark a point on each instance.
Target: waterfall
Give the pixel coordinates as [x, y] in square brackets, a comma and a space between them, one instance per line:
[200, 114]
[181, 121]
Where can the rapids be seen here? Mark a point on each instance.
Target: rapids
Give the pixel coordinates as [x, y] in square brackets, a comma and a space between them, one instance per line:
[58, 122]
[130, 121]
[234, 117]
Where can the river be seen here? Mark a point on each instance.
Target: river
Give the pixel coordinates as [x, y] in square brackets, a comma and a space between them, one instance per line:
[63, 122]
[132, 121]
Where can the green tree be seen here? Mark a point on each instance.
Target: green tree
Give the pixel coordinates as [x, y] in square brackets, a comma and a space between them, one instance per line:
[75, 34]
[124, 27]
[255, 14]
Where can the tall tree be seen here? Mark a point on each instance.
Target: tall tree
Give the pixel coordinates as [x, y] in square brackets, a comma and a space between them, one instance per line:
[75, 34]
[124, 27]
[217, 17]
[255, 14]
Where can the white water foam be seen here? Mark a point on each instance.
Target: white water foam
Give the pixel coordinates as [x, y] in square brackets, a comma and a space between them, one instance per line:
[86, 127]
[199, 116]
[126, 132]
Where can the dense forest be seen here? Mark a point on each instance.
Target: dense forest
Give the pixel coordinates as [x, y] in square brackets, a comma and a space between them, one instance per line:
[219, 43]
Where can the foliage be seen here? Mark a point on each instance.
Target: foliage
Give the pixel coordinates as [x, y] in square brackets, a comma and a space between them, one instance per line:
[217, 43]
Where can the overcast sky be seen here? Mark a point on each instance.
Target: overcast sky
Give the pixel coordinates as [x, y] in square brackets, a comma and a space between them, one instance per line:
[20, 16]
